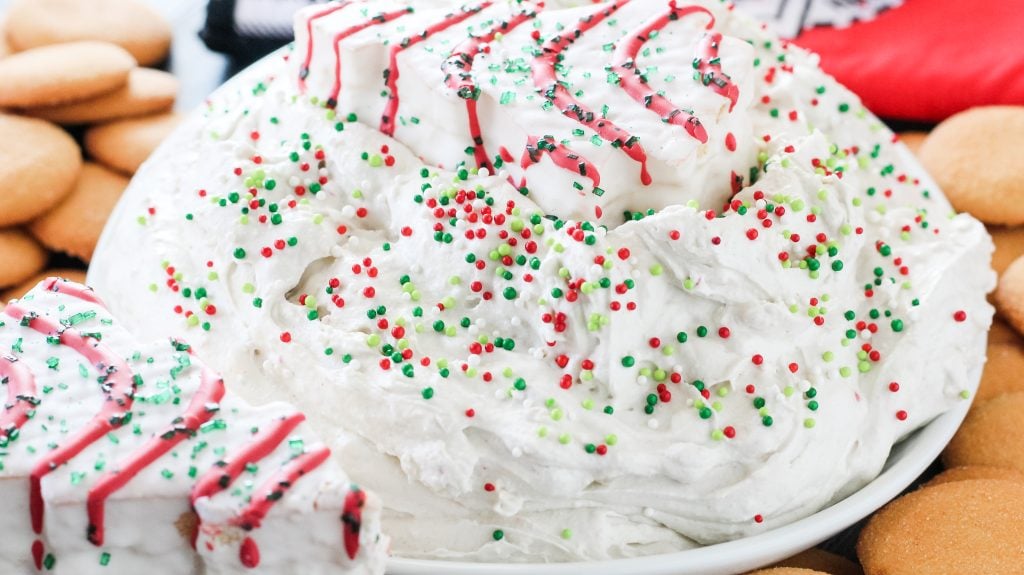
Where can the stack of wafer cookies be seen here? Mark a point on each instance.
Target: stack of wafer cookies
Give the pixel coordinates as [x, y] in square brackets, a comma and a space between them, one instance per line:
[76, 64]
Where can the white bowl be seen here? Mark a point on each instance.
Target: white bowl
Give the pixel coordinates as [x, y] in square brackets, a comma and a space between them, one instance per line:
[907, 461]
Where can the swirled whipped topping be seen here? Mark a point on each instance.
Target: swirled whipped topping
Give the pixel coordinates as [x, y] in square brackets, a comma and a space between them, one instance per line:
[560, 282]
[123, 457]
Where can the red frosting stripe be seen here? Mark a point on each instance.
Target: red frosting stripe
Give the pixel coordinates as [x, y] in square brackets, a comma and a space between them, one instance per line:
[201, 408]
[387, 121]
[635, 84]
[382, 18]
[118, 385]
[21, 397]
[304, 70]
[458, 75]
[546, 81]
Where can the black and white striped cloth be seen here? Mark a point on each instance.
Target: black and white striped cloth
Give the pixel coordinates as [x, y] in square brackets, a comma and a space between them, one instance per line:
[790, 17]
[272, 19]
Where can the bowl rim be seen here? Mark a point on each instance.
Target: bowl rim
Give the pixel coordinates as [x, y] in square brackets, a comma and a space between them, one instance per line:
[906, 462]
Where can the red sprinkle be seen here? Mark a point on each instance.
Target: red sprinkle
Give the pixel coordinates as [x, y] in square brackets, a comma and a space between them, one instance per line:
[960, 316]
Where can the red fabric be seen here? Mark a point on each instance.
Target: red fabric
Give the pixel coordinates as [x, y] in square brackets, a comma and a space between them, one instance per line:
[929, 59]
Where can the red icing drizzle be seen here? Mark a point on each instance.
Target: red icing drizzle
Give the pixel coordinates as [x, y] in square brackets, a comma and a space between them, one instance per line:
[201, 409]
[546, 81]
[37, 553]
[387, 121]
[711, 69]
[263, 444]
[352, 519]
[274, 487]
[458, 71]
[635, 84]
[304, 70]
[21, 396]
[70, 289]
[562, 156]
[269, 493]
[249, 553]
[118, 387]
[382, 18]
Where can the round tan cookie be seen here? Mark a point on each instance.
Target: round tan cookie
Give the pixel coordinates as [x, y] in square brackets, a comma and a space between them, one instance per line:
[976, 472]
[130, 24]
[1009, 246]
[963, 527]
[975, 157]
[20, 255]
[39, 163]
[913, 140]
[125, 144]
[27, 285]
[1004, 371]
[821, 560]
[5, 48]
[991, 435]
[65, 73]
[786, 571]
[74, 226]
[1003, 333]
[147, 92]
[1009, 294]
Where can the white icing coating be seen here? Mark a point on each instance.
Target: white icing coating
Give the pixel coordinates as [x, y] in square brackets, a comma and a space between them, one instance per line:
[460, 260]
[148, 522]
